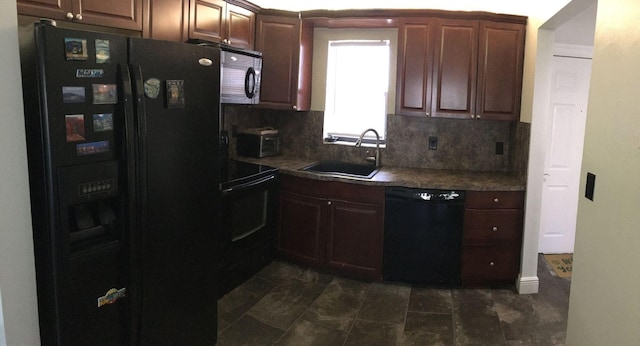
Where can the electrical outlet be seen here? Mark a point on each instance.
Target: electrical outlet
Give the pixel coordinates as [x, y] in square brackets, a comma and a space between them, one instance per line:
[433, 143]
[499, 148]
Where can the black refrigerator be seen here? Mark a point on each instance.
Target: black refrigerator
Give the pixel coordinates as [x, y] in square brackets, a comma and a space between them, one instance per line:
[122, 140]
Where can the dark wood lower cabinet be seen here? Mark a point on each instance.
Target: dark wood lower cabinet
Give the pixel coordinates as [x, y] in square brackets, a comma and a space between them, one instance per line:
[354, 238]
[332, 225]
[492, 237]
[301, 228]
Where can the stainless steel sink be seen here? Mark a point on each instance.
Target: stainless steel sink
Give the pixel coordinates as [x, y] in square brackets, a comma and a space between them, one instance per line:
[337, 168]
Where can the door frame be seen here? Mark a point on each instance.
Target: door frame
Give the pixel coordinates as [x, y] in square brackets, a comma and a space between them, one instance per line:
[528, 282]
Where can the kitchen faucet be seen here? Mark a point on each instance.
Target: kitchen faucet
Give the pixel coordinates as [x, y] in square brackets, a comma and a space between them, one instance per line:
[376, 158]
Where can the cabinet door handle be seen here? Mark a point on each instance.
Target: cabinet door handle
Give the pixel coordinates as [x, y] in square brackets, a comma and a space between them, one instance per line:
[328, 202]
[427, 114]
[69, 15]
[78, 16]
[496, 200]
[495, 228]
[492, 264]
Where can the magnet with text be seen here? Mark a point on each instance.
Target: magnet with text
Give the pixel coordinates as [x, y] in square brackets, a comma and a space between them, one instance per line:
[175, 93]
[89, 73]
[73, 94]
[75, 48]
[75, 127]
[103, 55]
[105, 94]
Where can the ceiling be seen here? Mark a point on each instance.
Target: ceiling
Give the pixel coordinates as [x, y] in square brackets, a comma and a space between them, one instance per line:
[519, 7]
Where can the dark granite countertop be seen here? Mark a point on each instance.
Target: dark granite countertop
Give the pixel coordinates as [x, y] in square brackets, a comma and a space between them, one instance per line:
[407, 177]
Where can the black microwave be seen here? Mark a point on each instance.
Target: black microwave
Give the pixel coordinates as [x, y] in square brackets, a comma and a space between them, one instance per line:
[240, 71]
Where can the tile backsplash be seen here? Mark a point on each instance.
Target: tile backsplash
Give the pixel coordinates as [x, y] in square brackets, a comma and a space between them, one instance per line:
[462, 144]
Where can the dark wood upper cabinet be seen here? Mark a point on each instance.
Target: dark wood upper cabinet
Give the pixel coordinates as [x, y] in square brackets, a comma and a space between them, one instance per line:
[455, 69]
[415, 60]
[206, 20]
[460, 68]
[500, 64]
[167, 20]
[222, 22]
[122, 14]
[286, 44]
[241, 27]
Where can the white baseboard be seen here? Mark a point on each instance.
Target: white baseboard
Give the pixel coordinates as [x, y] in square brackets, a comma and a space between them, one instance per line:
[527, 284]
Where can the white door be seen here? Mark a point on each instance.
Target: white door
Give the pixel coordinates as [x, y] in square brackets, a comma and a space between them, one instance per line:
[568, 114]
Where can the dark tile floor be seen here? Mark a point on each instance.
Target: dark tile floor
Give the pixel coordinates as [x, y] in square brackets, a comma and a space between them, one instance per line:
[285, 304]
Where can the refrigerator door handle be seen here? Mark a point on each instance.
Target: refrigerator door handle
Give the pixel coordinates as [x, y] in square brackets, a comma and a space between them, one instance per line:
[139, 125]
[129, 144]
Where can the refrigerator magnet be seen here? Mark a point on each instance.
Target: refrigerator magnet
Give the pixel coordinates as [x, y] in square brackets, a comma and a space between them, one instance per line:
[72, 94]
[75, 48]
[102, 122]
[152, 88]
[89, 73]
[175, 93]
[103, 55]
[84, 149]
[75, 127]
[105, 94]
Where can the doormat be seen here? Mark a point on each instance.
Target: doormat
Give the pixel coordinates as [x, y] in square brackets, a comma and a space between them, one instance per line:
[562, 264]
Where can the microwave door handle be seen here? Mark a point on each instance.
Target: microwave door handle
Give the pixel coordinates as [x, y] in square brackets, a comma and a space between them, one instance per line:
[250, 83]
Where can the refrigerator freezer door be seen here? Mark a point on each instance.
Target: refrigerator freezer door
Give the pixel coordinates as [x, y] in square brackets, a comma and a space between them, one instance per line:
[177, 119]
[73, 132]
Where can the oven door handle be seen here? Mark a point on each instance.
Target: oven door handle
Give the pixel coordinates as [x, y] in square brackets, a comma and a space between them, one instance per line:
[249, 184]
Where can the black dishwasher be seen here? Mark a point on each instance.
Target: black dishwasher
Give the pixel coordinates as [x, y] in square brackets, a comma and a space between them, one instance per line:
[423, 235]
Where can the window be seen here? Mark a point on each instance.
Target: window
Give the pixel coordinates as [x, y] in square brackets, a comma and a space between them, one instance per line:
[356, 90]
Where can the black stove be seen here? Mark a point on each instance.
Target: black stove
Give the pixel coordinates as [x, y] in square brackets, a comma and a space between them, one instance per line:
[247, 232]
[237, 174]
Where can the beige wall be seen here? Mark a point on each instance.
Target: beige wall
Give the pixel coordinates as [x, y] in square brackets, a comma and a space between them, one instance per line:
[604, 306]
[18, 310]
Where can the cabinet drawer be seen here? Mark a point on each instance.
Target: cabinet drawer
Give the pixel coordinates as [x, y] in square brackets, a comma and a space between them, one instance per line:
[490, 226]
[494, 200]
[489, 265]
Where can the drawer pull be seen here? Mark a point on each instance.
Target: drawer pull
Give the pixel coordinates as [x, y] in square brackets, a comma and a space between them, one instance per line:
[496, 200]
[492, 264]
[495, 228]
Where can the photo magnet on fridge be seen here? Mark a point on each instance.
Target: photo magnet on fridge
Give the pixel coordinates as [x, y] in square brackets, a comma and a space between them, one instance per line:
[72, 94]
[75, 48]
[91, 148]
[175, 93]
[105, 94]
[103, 55]
[75, 127]
[102, 122]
